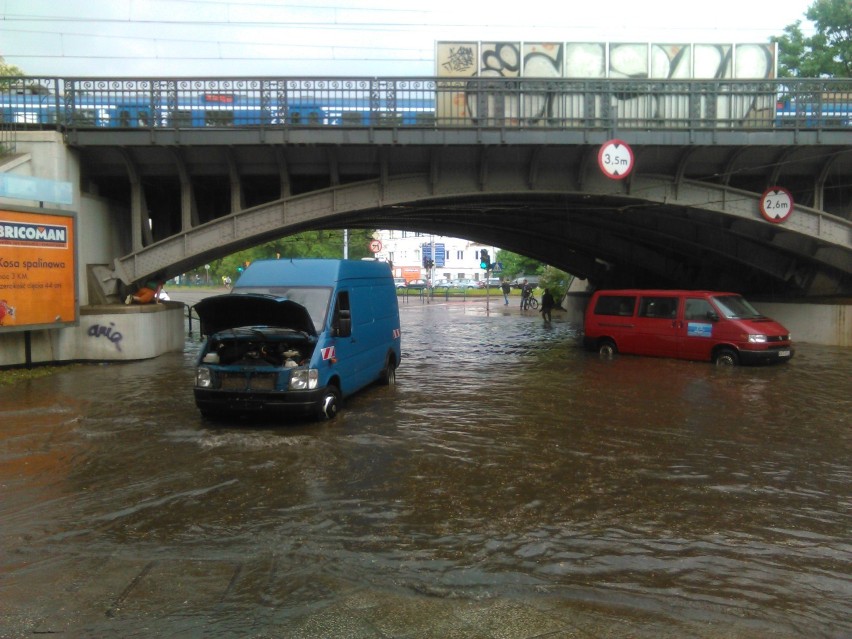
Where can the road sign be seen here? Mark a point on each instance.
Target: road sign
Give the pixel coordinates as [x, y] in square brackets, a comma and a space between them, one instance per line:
[776, 204]
[440, 256]
[375, 246]
[615, 159]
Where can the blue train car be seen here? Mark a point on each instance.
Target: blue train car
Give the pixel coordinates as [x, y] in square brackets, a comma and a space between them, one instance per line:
[27, 104]
[829, 113]
[36, 105]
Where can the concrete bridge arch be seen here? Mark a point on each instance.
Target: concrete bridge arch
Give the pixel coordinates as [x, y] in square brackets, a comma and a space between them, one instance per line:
[654, 230]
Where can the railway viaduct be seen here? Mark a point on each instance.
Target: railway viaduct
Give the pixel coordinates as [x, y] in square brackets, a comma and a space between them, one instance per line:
[690, 214]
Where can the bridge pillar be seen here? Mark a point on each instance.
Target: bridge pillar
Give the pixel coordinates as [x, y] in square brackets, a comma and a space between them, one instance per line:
[140, 228]
[107, 333]
[108, 330]
[188, 207]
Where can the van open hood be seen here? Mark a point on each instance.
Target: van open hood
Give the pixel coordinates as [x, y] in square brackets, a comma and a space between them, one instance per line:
[235, 310]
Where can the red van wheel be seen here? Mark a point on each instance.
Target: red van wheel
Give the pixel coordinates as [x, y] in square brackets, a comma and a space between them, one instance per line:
[607, 349]
[726, 357]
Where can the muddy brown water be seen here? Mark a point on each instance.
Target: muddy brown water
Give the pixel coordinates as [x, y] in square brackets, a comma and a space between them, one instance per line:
[506, 463]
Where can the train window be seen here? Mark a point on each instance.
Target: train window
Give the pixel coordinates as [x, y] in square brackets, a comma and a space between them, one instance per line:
[183, 119]
[26, 117]
[389, 119]
[296, 118]
[124, 118]
[142, 118]
[83, 116]
[314, 118]
[351, 118]
[218, 118]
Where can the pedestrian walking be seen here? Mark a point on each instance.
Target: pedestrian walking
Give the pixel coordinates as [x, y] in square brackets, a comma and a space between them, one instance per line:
[506, 288]
[547, 304]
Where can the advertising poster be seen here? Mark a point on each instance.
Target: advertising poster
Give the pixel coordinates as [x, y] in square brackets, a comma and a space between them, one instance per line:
[37, 270]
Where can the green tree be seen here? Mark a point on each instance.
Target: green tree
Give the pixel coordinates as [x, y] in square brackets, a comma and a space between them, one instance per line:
[515, 265]
[827, 53]
[9, 69]
[328, 244]
[556, 281]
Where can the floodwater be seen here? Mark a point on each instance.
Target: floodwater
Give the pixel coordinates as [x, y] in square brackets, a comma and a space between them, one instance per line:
[509, 485]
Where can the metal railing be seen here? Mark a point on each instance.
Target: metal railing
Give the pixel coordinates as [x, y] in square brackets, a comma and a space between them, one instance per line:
[524, 103]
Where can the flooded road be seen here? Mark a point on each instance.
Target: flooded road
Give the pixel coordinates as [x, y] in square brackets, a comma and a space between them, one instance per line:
[509, 485]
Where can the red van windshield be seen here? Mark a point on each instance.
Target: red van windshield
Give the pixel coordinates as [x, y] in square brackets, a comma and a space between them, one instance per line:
[735, 307]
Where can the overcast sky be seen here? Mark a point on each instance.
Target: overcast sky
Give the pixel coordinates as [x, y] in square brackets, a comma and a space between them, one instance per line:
[344, 37]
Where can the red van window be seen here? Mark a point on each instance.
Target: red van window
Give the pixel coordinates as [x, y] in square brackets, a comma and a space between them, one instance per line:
[660, 307]
[698, 309]
[622, 305]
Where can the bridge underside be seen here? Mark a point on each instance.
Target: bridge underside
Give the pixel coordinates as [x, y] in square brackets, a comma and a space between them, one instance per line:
[687, 217]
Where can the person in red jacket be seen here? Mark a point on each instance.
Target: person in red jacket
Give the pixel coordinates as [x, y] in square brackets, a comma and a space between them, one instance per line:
[146, 294]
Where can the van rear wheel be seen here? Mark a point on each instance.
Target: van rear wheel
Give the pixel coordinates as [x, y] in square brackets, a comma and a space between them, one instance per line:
[726, 357]
[388, 375]
[607, 349]
[329, 405]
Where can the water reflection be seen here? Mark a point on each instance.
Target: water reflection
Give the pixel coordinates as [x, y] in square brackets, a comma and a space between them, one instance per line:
[506, 461]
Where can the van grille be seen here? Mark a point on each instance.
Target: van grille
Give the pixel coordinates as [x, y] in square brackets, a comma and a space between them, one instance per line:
[777, 338]
[240, 382]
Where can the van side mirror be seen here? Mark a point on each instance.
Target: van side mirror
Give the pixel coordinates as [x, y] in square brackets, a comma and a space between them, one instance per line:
[343, 324]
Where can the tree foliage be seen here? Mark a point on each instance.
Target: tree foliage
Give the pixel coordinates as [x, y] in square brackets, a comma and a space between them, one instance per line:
[556, 281]
[328, 244]
[515, 265]
[827, 53]
[9, 69]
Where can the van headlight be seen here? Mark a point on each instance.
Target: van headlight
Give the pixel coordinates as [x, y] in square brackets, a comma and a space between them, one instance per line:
[203, 378]
[303, 378]
[757, 339]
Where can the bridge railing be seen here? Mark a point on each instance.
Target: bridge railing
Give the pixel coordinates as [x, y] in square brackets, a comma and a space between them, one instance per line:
[521, 103]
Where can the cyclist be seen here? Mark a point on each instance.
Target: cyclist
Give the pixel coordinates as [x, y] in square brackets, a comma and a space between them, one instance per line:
[526, 293]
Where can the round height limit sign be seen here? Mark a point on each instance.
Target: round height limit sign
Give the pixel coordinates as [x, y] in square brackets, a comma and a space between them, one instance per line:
[615, 159]
[776, 204]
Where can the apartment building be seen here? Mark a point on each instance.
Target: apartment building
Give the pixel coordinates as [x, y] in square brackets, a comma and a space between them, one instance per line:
[453, 258]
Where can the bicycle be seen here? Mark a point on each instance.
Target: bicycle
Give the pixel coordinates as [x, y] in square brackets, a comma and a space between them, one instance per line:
[530, 303]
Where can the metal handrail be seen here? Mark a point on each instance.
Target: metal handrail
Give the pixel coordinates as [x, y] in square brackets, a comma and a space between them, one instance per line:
[427, 102]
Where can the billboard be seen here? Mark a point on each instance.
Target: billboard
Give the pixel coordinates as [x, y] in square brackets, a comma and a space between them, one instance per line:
[586, 60]
[38, 269]
[585, 84]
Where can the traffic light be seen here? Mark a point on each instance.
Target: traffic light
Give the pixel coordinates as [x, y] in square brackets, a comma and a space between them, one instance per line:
[425, 262]
[484, 259]
[430, 263]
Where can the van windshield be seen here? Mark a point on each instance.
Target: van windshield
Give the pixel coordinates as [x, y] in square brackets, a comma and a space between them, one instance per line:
[736, 307]
[314, 298]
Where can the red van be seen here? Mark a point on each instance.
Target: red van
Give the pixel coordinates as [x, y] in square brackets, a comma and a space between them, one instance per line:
[699, 325]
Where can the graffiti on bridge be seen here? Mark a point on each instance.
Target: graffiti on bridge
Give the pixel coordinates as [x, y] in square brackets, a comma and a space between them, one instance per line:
[578, 98]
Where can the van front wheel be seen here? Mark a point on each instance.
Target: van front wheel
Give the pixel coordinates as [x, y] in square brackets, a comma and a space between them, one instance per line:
[607, 349]
[329, 406]
[726, 357]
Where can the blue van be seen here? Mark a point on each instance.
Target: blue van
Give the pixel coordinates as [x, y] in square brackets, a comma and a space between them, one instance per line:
[296, 337]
